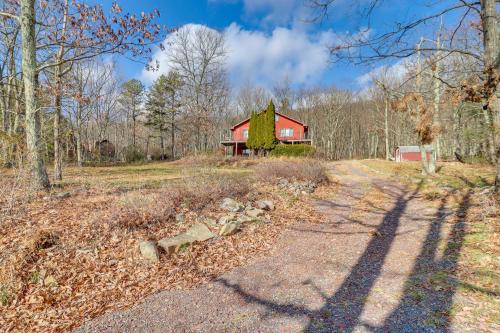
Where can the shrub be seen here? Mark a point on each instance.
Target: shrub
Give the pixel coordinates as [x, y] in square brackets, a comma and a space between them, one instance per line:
[295, 170]
[138, 209]
[132, 154]
[300, 150]
[210, 186]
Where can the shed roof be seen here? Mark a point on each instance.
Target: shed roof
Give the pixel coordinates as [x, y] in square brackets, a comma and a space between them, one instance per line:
[413, 149]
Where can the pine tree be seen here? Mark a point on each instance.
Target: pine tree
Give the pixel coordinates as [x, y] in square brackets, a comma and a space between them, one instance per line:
[251, 131]
[163, 105]
[269, 125]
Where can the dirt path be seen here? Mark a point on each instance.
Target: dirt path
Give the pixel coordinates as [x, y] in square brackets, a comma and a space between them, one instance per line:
[353, 273]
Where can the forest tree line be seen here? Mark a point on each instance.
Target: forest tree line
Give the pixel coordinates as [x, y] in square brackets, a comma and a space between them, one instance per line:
[62, 100]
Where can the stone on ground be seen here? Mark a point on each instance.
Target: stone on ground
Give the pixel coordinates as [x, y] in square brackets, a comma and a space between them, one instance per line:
[229, 229]
[211, 222]
[245, 219]
[180, 217]
[265, 204]
[200, 232]
[173, 244]
[231, 205]
[254, 212]
[149, 251]
[227, 218]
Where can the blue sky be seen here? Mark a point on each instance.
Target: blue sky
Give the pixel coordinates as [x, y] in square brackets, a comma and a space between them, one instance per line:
[269, 39]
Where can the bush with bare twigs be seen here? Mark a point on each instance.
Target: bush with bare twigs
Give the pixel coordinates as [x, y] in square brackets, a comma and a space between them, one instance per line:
[15, 191]
[296, 170]
[215, 160]
[139, 209]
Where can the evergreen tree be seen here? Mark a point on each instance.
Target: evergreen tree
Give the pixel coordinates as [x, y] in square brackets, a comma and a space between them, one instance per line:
[131, 99]
[262, 131]
[251, 131]
[163, 105]
[269, 125]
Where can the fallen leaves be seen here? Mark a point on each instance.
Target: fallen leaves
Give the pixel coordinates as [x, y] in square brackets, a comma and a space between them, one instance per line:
[66, 264]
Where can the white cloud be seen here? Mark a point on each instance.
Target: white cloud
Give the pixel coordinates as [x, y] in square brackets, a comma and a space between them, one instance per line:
[262, 58]
[395, 71]
[254, 56]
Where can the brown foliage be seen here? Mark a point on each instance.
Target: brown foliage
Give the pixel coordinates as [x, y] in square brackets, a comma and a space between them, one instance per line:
[477, 90]
[96, 268]
[415, 104]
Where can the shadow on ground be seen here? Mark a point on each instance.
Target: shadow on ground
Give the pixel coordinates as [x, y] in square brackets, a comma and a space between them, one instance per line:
[427, 298]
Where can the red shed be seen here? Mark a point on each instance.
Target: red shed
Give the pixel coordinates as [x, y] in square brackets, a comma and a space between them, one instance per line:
[411, 153]
[288, 131]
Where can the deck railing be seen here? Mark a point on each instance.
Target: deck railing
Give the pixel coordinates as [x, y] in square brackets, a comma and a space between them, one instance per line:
[303, 136]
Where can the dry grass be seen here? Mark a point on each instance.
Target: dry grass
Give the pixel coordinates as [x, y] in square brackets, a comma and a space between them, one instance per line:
[271, 170]
[139, 208]
[451, 175]
[215, 160]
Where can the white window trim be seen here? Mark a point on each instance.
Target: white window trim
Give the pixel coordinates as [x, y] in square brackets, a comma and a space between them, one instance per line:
[286, 132]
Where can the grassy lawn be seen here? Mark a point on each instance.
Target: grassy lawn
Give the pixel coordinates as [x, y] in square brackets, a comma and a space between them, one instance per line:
[452, 175]
[130, 176]
[477, 274]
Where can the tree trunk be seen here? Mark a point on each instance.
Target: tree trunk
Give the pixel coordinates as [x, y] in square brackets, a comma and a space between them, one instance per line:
[57, 138]
[33, 138]
[162, 147]
[423, 160]
[492, 62]
[133, 130]
[386, 128]
[58, 100]
[172, 138]
[78, 134]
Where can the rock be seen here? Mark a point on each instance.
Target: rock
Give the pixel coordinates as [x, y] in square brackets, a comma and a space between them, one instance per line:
[254, 212]
[229, 229]
[211, 222]
[61, 195]
[227, 218]
[245, 219]
[173, 244]
[265, 204]
[231, 205]
[180, 217]
[149, 251]
[200, 232]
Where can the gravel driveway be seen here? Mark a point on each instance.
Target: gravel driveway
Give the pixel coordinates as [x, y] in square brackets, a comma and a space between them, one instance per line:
[352, 273]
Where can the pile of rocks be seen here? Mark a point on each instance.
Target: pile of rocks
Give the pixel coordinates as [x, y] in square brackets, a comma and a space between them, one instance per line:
[236, 214]
[297, 187]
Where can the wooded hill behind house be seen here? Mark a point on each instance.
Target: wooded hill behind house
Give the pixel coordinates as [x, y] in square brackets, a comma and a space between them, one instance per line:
[162, 178]
[69, 100]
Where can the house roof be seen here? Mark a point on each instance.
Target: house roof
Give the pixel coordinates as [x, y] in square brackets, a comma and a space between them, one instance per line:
[278, 113]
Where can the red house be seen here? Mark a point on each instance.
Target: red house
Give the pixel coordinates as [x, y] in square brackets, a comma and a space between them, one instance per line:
[288, 131]
[411, 153]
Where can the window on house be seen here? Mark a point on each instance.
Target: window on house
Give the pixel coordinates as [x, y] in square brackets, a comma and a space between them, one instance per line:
[276, 117]
[286, 132]
[245, 133]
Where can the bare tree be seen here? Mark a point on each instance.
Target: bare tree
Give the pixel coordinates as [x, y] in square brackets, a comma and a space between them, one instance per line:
[398, 43]
[198, 54]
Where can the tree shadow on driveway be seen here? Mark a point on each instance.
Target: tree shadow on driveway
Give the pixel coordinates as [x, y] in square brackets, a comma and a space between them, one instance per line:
[428, 291]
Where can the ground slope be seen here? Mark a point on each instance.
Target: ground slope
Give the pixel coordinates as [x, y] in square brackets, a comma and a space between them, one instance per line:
[356, 272]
